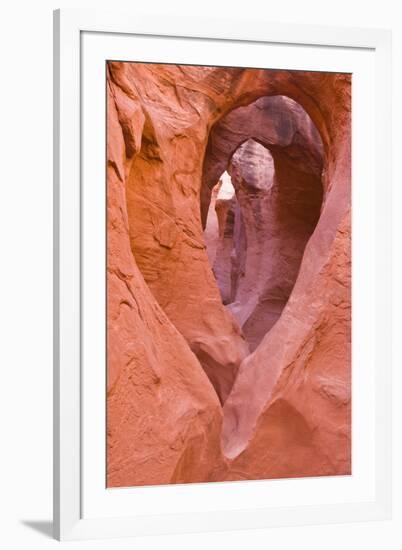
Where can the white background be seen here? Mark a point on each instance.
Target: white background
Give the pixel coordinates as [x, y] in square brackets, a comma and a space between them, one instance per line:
[26, 273]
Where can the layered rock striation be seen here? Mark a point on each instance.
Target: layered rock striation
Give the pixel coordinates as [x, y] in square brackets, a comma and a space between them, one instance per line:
[175, 352]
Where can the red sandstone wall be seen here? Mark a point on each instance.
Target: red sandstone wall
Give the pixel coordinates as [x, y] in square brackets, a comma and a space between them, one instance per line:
[287, 405]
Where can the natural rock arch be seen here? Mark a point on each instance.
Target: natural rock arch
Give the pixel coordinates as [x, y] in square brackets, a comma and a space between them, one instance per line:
[278, 183]
[178, 106]
[277, 122]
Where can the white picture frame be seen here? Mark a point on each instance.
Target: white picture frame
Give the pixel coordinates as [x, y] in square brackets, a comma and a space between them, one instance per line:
[71, 463]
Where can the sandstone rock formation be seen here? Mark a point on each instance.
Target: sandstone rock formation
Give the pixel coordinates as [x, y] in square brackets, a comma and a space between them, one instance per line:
[164, 222]
[306, 414]
[173, 347]
[213, 230]
[161, 412]
[279, 196]
[223, 207]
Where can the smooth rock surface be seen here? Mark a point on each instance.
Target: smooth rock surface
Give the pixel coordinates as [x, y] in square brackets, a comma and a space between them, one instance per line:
[274, 155]
[172, 344]
[163, 420]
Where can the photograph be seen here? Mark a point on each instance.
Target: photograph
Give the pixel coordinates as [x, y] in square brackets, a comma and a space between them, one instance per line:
[228, 273]
[202, 264]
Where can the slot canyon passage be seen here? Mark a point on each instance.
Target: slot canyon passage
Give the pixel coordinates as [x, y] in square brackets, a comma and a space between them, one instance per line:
[228, 274]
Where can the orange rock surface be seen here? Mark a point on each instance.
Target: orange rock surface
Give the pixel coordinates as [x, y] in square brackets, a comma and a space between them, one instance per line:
[274, 155]
[175, 352]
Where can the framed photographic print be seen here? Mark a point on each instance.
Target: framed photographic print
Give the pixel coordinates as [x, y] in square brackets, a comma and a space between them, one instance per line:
[222, 275]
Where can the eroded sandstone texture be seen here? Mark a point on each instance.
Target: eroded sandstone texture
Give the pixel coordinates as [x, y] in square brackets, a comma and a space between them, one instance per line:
[175, 351]
[274, 155]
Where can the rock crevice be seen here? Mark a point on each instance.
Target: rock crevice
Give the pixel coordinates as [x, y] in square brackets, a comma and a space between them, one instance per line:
[175, 352]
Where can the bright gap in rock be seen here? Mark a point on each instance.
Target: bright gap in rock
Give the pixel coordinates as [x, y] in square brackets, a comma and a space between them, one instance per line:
[258, 224]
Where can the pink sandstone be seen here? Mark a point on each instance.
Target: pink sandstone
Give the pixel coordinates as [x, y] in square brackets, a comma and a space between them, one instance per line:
[173, 347]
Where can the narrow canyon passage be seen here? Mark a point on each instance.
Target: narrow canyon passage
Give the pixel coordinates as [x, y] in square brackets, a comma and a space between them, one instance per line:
[260, 220]
[263, 209]
[228, 274]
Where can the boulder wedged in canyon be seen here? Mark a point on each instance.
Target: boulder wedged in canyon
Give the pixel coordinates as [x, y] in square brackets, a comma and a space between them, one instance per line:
[290, 399]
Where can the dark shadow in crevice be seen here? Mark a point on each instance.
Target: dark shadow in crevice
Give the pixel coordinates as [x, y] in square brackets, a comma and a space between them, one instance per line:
[270, 156]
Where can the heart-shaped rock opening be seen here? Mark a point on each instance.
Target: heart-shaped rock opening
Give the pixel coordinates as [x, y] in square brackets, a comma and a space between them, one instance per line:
[268, 321]
[264, 207]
